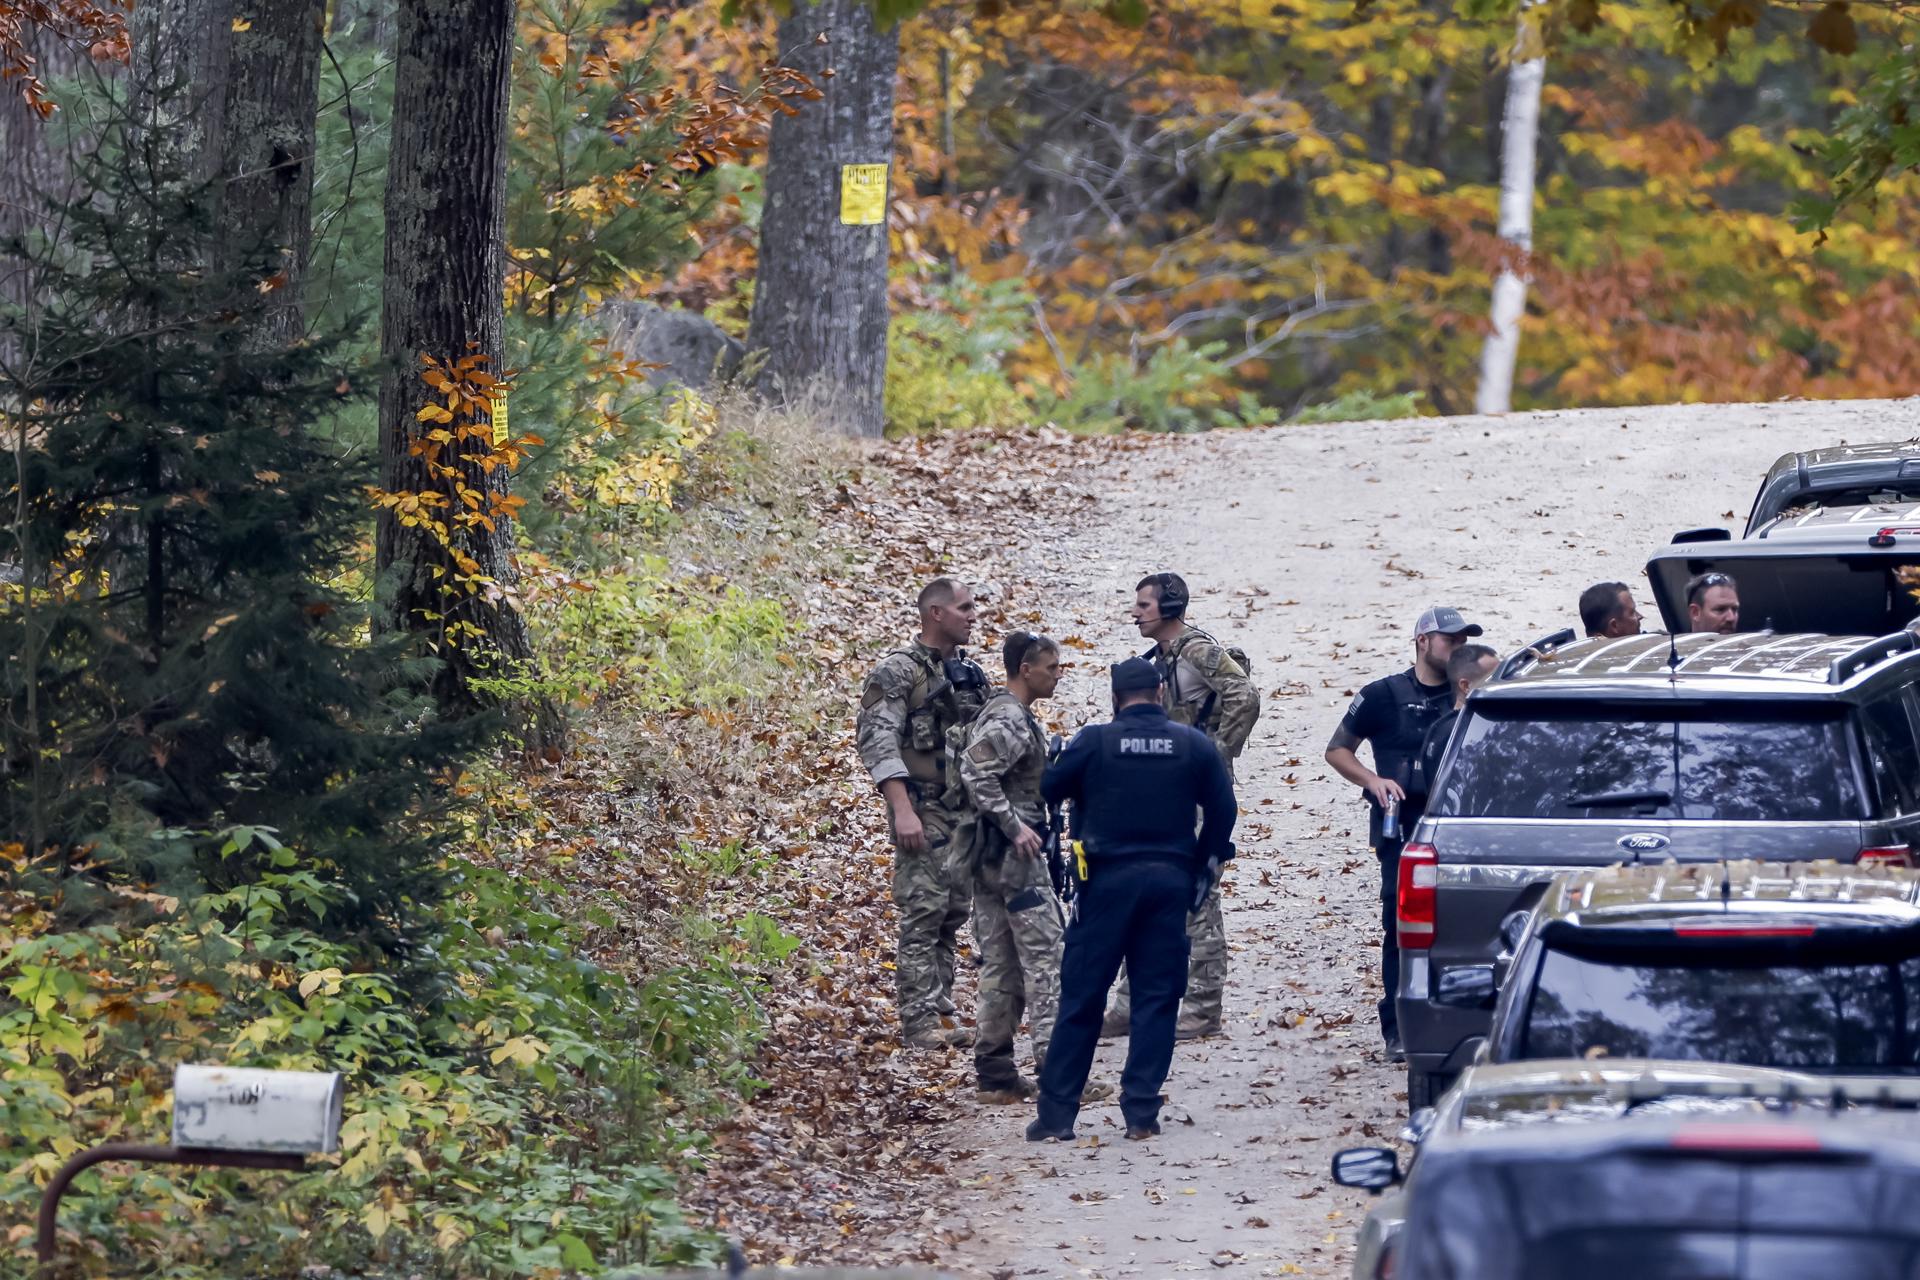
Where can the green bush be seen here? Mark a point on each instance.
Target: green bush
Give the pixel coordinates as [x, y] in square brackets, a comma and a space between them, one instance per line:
[945, 363]
[1362, 406]
[1176, 388]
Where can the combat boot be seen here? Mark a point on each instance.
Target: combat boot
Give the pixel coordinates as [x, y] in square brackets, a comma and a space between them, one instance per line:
[1019, 1089]
[1195, 1027]
[1141, 1132]
[935, 1035]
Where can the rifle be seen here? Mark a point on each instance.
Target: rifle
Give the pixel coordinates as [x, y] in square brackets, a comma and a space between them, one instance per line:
[1054, 849]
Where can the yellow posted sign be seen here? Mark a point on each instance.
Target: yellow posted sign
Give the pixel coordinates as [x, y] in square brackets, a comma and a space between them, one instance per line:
[863, 195]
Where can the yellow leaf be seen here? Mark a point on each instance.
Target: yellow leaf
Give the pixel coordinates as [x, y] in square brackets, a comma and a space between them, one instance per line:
[329, 978]
[523, 1051]
[376, 1219]
[218, 623]
[241, 24]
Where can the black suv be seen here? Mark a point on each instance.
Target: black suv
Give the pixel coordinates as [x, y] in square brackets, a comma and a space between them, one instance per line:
[1810, 967]
[1696, 748]
[1848, 475]
[1661, 1198]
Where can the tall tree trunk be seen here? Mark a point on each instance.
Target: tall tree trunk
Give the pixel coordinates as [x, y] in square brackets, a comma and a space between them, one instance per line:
[1519, 132]
[1430, 128]
[36, 180]
[178, 67]
[445, 262]
[273, 86]
[1382, 118]
[820, 296]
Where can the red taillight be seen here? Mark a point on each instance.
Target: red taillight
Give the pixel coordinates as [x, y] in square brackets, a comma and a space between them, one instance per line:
[1744, 1137]
[1898, 855]
[1745, 931]
[1414, 895]
[1383, 1270]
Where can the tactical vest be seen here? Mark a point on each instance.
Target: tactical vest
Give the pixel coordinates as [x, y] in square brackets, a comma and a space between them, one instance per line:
[1415, 710]
[935, 705]
[1169, 665]
[1022, 788]
[1140, 795]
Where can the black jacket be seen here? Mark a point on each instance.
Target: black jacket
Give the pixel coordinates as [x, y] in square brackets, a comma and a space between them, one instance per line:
[1135, 783]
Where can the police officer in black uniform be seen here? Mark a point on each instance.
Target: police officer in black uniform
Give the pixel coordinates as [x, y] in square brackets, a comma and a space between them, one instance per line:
[1394, 715]
[1135, 783]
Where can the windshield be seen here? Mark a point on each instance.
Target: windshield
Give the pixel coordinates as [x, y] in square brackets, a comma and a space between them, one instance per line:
[1657, 1215]
[1731, 763]
[1832, 1018]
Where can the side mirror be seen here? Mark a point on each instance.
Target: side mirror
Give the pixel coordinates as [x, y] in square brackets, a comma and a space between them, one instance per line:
[1419, 1125]
[1369, 1168]
[1467, 986]
[245, 1109]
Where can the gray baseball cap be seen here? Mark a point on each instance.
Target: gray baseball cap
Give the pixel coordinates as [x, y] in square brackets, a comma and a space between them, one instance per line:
[1447, 621]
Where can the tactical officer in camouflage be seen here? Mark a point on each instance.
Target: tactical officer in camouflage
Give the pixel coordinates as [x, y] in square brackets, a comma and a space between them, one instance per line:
[908, 704]
[1016, 918]
[1205, 685]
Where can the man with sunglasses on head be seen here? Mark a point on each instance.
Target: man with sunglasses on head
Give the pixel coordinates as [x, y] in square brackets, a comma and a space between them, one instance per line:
[1713, 603]
[909, 702]
[1393, 715]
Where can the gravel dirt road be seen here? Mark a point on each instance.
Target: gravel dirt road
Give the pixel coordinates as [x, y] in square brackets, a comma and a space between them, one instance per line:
[1316, 548]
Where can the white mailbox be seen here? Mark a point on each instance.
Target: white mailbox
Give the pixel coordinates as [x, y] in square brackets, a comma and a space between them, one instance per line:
[246, 1109]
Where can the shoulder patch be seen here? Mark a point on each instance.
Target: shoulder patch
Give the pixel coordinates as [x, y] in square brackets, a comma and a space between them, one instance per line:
[893, 678]
[982, 752]
[1353, 708]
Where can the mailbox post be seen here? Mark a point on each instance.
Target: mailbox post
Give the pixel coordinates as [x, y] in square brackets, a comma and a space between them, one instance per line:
[236, 1117]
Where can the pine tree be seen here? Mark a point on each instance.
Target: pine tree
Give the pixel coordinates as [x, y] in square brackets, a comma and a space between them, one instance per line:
[179, 650]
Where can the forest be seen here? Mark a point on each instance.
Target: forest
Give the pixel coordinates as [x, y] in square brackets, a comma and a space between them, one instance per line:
[410, 668]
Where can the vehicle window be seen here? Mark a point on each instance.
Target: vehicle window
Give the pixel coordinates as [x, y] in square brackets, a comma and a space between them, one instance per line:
[1892, 754]
[1608, 1253]
[1595, 761]
[1863, 1017]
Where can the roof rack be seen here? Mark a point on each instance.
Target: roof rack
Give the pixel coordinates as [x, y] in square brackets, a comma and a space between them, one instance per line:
[1870, 654]
[1837, 1094]
[1541, 648]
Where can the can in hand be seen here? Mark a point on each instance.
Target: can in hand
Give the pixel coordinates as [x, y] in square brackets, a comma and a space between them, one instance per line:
[1390, 821]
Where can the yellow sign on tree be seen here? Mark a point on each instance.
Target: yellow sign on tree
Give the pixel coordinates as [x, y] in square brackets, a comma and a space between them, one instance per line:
[863, 195]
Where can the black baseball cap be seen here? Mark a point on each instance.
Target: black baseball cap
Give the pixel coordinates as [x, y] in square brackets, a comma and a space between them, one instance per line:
[1135, 675]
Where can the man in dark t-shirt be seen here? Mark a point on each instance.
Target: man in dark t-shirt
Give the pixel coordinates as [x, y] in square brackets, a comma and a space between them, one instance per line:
[1393, 715]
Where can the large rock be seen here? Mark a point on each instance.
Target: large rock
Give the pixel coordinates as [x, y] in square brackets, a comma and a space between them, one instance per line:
[690, 349]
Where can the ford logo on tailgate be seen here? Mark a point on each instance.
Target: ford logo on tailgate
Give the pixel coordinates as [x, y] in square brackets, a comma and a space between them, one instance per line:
[1643, 842]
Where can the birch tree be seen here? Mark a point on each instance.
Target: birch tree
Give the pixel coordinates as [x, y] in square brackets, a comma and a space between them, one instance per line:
[1519, 135]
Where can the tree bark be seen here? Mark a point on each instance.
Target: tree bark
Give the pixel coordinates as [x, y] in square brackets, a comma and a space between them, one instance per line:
[1430, 128]
[1519, 131]
[820, 297]
[179, 71]
[445, 262]
[273, 86]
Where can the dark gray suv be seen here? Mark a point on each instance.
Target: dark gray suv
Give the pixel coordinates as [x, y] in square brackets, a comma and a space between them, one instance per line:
[1698, 748]
[1848, 475]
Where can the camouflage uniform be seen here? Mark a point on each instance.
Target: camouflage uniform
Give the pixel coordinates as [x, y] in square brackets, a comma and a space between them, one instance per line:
[1015, 915]
[1204, 687]
[906, 708]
